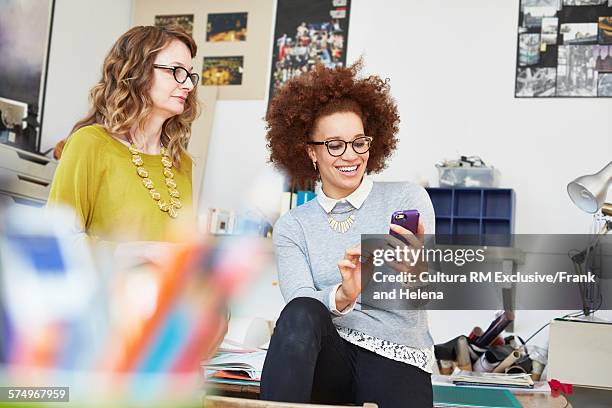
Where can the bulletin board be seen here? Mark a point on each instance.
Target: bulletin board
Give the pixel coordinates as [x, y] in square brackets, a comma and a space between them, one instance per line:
[243, 51]
[564, 49]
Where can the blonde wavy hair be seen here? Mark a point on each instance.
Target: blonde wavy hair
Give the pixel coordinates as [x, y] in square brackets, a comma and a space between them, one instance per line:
[121, 99]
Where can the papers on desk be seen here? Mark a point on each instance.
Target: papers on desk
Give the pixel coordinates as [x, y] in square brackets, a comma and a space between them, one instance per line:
[235, 366]
[522, 380]
[538, 386]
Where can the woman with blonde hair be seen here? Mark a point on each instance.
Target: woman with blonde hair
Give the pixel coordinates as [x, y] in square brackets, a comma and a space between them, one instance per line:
[124, 170]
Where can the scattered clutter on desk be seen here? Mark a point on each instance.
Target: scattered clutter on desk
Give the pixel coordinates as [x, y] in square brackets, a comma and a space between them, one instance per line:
[521, 380]
[235, 366]
[240, 357]
[467, 171]
[498, 361]
[557, 387]
[136, 334]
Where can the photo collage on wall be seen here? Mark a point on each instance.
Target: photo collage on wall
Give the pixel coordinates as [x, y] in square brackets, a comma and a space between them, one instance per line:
[308, 32]
[564, 48]
[220, 27]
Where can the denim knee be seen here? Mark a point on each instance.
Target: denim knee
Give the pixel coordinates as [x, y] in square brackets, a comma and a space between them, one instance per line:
[303, 318]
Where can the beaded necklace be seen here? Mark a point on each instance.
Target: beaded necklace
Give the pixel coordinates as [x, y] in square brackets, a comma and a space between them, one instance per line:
[175, 203]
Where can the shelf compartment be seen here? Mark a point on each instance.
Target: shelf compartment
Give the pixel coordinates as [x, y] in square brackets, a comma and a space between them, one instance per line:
[442, 200]
[466, 232]
[468, 203]
[498, 203]
[443, 226]
[497, 232]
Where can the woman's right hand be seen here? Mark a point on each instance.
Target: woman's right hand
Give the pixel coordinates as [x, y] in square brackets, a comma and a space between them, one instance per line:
[350, 270]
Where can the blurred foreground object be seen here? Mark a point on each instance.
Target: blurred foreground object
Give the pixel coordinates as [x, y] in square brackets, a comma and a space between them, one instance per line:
[115, 337]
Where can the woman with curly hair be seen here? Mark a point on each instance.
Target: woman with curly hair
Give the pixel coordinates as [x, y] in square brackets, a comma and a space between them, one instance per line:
[124, 169]
[332, 126]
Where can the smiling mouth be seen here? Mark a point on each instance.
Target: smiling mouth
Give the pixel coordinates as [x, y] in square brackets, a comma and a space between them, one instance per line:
[348, 170]
[181, 98]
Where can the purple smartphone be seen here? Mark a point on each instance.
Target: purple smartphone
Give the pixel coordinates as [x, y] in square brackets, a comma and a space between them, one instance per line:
[408, 219]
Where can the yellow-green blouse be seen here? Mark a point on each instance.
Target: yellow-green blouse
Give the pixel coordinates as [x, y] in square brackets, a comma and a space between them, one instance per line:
[97, 178]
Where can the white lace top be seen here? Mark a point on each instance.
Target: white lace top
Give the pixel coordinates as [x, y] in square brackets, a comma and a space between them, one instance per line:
[421, 358]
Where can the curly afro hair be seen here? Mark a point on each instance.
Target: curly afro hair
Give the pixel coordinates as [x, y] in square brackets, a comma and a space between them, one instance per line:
[298, 104]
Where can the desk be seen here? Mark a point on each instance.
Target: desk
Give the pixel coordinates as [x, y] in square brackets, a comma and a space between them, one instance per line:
[527, 400]
[541, 400]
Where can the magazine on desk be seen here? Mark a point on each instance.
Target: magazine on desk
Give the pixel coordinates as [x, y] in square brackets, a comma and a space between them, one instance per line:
[235, 366]
[521, 380]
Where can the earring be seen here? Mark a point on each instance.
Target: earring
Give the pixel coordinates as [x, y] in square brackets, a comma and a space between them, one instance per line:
[314, 164]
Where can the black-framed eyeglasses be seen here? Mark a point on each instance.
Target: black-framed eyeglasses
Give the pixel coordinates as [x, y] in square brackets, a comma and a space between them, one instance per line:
[180, 74]
[337, 147]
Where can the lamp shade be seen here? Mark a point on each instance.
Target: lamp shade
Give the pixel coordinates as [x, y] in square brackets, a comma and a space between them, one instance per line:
[589, 192]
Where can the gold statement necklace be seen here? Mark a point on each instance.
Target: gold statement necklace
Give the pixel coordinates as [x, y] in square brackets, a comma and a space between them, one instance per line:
[174, 204]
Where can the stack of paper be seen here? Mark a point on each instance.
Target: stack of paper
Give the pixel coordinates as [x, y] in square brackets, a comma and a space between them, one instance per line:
[235, 367]
[522, 380]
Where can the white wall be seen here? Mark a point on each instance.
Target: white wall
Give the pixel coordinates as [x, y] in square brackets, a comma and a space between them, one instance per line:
[236, 154]
[83, 32]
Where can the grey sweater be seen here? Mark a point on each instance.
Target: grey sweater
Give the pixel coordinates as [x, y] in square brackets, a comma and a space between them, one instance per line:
[308, 250]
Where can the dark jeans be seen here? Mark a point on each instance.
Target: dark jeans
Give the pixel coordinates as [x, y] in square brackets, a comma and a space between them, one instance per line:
[308, 361]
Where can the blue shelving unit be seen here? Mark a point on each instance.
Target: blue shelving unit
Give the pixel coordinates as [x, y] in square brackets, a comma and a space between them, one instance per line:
[473, 216]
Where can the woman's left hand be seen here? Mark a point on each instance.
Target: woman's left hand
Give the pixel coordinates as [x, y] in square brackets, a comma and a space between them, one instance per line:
[415, 263]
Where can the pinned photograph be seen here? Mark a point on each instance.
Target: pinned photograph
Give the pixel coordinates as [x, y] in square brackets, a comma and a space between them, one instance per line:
[556, 4]
[576, 74]
[529, 49]
[603, 59]
[604, 86]
[550, 26]
[536, 82]
[579, 33]
[533, 15]
[583, 2]
[222, 70]
[605, 30]
[308, 33]
[185, 21]
[226, 27]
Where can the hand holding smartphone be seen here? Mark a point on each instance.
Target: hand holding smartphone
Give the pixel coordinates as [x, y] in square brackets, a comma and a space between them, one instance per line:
[408, 219]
